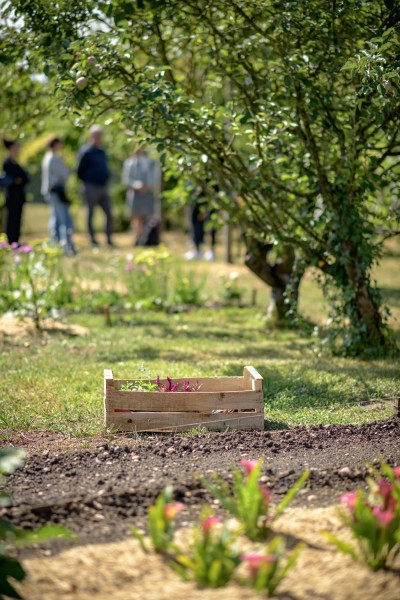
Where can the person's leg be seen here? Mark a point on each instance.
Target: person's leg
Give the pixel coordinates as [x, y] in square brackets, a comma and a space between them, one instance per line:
[13, 223]
[91, 197]
[66, 226]
[137, 227]
[59, 212]
[105, 203]
[54, 226]
[70, 229]
[210, 254]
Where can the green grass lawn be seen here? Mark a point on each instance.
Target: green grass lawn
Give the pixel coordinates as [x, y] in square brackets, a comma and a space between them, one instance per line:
[54, 382]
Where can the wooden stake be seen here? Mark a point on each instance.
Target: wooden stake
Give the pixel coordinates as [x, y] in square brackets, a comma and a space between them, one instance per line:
[397, 407]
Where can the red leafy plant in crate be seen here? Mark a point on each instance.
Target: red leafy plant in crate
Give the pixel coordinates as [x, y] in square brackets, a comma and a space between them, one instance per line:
[169, 386]
[373, 518]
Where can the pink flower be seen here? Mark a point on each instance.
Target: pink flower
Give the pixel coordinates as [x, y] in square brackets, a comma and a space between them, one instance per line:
[349, 500]
[249, 465]
[14, 245]
[3, 245]
[172, 509]
[266, 493]
[384, 517]
[210, 523]
[256, 561]
[396, 472]
[129, 267]
[385, 490]
[23, 249]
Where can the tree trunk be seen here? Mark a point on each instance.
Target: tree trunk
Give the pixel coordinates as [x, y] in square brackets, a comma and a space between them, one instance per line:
[367, 309]
[279, 276]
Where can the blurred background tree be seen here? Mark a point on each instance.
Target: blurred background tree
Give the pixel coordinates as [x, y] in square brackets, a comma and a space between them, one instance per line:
[289, 109]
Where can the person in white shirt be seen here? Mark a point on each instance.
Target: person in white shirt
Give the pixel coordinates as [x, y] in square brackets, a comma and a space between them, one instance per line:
[54, 178]
[142, 176]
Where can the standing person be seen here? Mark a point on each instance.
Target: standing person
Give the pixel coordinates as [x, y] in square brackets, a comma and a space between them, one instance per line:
[200, 215]
[54, 178]
[15, 191]
[142, 176]
[93, 171]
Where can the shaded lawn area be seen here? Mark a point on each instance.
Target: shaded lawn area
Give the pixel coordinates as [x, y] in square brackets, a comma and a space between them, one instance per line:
[54, 383]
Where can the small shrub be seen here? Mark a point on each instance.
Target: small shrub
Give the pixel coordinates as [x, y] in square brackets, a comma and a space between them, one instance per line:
[249, 501]
[373, 519]
[231, 292]
[161, 522]
[268, 569]
[32, 282]
[213, 558]
[188, 289]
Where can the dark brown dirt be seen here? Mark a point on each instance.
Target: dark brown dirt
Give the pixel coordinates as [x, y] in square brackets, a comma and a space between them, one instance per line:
[100, 488]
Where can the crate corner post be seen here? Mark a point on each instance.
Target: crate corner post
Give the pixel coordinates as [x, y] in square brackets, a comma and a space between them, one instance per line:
[109, 384]
[254, 381]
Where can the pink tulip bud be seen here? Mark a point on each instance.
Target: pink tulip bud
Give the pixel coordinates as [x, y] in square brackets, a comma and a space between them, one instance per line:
[172, 509]
[249, 465]
[256, 561]
[349, 500]
[209, 523]
[384, 517]
[266, 493]
[385, 490]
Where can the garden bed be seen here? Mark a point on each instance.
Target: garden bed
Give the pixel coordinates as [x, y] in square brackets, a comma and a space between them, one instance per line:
[129, 574]
[99, 487]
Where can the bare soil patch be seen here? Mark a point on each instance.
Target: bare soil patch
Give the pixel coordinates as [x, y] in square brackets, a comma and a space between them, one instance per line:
[99, 488]
[12, 327]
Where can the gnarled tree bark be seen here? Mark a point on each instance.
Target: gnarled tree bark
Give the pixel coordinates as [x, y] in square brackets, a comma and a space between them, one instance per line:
[279, 275]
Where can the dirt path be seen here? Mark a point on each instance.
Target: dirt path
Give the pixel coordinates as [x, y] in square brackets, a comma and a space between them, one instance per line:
[120, 570]
[100, 488]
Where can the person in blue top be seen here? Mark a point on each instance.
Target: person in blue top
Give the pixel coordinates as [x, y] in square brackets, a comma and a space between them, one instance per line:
[93, 171]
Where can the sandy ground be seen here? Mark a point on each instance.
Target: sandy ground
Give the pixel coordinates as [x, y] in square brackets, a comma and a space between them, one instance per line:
[122, 571]
[15, 328]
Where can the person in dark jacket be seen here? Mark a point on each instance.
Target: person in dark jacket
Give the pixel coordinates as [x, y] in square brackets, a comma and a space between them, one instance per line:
[15, 191]
[93, 171]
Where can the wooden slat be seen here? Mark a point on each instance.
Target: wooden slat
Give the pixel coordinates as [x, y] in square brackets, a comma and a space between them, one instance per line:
[208, 384]
[183, 401]
[183, 421]
[109, 381]
[252, 379]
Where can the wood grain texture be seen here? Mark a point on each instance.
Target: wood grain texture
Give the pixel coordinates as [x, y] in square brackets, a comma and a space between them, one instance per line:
[184, 401]
[252, 380]
[180, 421]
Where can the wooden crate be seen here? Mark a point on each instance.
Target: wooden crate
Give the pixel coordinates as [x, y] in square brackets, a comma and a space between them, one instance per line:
[181, 411]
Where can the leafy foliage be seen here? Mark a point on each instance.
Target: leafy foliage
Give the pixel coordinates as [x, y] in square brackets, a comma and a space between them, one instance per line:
[11, 568]
[249, 501]
[292, 110]
[31, 279]
[373, 518]
[213, 558]
[268, 569]
[161, 521]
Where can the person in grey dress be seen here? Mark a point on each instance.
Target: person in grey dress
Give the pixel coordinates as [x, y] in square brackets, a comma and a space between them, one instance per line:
[54, 178]
[142, 176]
